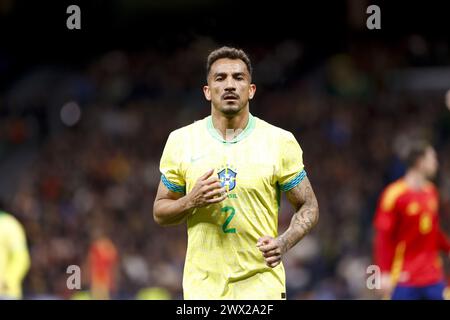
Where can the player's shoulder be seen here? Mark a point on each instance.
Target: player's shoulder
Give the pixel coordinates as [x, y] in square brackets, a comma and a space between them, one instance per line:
[188, 130]
[431, 187]
[396, 187]
[274, 131]
[6, 217]
[8, 221]
[392, 192]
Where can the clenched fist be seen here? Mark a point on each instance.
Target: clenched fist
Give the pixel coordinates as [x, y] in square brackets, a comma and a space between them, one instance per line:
[272, 250]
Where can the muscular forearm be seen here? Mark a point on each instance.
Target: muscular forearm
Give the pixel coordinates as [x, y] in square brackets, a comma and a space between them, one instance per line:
[301, 224]
[167, 212]
[172, 208]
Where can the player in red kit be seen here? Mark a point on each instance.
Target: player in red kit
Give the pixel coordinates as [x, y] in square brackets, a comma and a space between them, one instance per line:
[408, 239]
[103, 264]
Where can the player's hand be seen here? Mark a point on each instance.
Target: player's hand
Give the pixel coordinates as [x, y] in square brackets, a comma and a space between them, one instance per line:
[207, 190]
[272, 250]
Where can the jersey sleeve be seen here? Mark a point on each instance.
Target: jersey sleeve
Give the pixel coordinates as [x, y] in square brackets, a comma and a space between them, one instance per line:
[443, 241]
[291, 169]
[385, 223]
[170, 165]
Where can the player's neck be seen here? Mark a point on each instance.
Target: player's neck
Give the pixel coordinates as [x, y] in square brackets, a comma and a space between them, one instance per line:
[415, 179]
[230, 127]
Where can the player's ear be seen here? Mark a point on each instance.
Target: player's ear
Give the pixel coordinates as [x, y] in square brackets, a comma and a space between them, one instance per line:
[251, 91]
[207, 93]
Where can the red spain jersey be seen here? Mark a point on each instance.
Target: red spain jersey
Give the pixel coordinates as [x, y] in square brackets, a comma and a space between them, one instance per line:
[407, 235]
[103, 259]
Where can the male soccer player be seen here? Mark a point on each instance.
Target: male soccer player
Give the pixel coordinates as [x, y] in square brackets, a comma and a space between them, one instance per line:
[408, 237]
[14, 257]
[103, 266]
[223, 175]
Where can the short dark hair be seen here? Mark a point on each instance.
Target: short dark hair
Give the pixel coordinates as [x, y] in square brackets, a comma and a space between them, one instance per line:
[229, 53]
[414, 151]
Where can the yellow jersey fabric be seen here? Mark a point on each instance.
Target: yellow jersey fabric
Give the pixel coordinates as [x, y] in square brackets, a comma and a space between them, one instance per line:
[222, 260]
[14, 256]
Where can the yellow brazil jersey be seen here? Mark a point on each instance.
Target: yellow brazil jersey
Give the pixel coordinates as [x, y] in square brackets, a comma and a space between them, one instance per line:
[222, 260]
[14, 256]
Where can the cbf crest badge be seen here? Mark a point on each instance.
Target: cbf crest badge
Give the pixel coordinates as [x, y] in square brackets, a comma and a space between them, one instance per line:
[227, 177]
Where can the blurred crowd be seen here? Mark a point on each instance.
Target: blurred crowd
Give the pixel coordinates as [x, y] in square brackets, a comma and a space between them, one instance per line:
[100, 129]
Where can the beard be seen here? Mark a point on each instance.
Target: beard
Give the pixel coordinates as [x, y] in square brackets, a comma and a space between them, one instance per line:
[231, 109]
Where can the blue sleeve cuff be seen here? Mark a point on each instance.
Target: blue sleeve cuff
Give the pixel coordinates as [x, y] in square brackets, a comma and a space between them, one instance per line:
[291, 184]
[173, 186]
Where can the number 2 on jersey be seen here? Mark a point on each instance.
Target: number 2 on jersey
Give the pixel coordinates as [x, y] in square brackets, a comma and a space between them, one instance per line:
[228, 220]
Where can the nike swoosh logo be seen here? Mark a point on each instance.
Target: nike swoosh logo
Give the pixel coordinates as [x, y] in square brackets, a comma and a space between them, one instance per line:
[194, 159]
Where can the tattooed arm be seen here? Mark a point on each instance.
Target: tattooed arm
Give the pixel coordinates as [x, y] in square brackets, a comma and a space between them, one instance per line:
[305, 218]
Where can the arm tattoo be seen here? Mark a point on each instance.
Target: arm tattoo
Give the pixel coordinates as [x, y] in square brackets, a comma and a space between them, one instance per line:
[306, 216]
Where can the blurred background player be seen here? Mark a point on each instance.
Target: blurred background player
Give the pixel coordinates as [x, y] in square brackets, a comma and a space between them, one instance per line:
[103, 265]
[14, 256]
[408, 236]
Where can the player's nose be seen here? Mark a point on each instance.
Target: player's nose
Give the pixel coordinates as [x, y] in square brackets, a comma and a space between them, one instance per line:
[230, 84]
